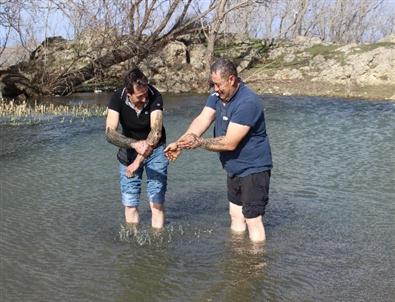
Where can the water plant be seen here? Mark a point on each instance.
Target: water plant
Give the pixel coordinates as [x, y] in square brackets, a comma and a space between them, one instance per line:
[25, 113]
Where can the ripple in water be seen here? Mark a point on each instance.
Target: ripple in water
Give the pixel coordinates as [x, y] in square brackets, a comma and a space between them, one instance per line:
[173, 234]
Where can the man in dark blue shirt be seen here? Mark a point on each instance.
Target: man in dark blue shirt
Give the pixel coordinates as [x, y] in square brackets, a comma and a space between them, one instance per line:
[240, 138]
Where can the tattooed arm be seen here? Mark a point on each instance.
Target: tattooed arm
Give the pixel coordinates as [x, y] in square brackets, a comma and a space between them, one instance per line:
[234, 135]
[187, 141]
[196, 129]
[152, 140]
[156, 128]
[119, 140]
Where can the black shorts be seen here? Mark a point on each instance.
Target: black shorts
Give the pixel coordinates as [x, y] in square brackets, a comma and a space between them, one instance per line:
[251, 192]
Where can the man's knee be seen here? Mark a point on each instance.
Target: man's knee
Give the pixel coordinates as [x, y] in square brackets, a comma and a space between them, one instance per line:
[235, 212]
[253, 211]
[131, 215]
[256, 229]
[131, 210]
[157, 207]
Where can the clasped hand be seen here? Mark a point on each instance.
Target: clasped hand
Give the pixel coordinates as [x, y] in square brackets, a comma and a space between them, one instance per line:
[142, 147]
[172, 151]
[187, 141]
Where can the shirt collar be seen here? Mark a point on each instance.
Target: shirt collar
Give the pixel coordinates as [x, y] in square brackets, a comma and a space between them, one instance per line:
[124, 95]
[240, 85]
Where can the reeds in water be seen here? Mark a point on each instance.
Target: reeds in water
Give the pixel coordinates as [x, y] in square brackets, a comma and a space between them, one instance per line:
[13, 111]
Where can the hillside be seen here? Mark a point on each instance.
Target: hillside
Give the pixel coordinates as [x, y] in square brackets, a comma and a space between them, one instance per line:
[305, 66]
[310, 67]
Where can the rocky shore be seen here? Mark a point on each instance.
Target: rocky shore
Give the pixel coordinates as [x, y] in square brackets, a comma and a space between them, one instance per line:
[305, 66]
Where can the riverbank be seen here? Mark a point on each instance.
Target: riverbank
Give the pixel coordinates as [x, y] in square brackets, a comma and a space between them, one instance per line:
[304, 66]
[309, 88]
[313, 68]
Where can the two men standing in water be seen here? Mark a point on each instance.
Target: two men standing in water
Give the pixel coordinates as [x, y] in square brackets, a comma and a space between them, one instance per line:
[241, 140]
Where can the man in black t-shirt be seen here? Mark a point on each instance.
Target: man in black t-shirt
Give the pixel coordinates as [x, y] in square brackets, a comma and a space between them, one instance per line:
[138, 107]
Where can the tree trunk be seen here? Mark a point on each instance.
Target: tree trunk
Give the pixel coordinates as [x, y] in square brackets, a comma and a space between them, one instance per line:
[66, 84]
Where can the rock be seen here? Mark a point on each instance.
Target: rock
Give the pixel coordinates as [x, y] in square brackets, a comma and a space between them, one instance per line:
[175, 53]
[276, 52]
[317, 61]
[289, 58]
[315, 41]
[307, 42]
[197, 56]
[347, 48]
[21, 98]
[375, 67]
[247, 61]
[389, 38]
[288, 74]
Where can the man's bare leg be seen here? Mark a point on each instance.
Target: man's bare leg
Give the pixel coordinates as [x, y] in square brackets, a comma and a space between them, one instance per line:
[256, 229]
[158, 215]
[237, 220]
[132, 215]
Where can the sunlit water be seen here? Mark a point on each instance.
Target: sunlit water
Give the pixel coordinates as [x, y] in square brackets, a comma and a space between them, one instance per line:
[330, 222]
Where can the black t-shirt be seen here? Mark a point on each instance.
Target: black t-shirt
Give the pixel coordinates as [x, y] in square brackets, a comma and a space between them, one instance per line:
[136, 126]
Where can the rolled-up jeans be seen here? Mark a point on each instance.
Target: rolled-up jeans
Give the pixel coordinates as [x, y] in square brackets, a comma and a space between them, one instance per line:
[155, 167]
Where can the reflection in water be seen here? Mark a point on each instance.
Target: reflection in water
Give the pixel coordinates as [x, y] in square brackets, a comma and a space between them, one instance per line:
[242, 270]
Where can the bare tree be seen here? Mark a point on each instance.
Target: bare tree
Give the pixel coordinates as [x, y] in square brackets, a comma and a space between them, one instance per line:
[222, 8]
[341, 21]
[147, 26]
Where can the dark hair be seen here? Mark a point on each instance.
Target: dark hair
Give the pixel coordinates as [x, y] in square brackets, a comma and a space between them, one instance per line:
[225, 67]
[135, 77]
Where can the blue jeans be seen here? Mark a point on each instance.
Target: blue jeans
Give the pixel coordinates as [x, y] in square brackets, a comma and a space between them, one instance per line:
[155, 167]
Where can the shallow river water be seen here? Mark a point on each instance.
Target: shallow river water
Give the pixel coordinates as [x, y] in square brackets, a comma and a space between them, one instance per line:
[330, 222]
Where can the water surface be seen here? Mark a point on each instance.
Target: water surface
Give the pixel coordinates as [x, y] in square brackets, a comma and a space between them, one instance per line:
[330, 222]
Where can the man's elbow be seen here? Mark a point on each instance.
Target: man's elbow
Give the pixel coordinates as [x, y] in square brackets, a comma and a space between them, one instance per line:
[231, 147]
[108, 134]
[154, 138]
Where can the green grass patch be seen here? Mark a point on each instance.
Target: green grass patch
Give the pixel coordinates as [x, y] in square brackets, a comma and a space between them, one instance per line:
[368, 47]
[238, 49]
[327, 51]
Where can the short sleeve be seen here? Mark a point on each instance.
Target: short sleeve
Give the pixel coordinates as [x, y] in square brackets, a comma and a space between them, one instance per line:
[157, 100]
[115, 102]
[212, 101]
[247, 113]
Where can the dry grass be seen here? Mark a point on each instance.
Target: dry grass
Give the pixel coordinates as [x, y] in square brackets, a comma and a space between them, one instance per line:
[26, 113]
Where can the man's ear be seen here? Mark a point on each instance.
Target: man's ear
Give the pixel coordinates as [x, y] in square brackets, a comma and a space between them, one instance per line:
[232, 79]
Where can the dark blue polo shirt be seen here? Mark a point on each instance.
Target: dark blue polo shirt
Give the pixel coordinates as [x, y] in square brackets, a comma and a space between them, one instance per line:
[253, 154]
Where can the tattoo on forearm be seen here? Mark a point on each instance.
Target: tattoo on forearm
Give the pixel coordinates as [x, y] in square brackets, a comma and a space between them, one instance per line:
[117, 139]
[212, 143]
[156, 132]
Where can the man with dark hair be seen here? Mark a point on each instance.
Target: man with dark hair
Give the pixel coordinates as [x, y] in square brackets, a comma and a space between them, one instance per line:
[243, 145]
[138, 107]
